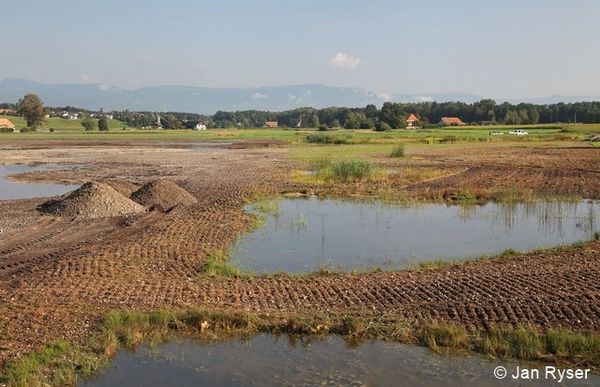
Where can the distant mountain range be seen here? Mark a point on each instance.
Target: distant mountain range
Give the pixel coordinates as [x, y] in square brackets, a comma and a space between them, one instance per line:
[207, 100]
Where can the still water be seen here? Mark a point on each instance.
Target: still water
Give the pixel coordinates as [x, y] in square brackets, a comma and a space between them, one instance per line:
[11, 189]
[266, 360]
[303, 234]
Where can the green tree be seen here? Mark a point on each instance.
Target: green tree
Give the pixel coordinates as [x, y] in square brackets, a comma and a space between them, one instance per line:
[314, 121]
[88, 123]
[169, 121]
[32, 108]
[103, 124]
[393, 114]
[335, 123]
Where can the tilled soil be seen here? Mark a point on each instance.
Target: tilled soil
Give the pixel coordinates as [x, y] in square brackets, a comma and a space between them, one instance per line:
[58, 275]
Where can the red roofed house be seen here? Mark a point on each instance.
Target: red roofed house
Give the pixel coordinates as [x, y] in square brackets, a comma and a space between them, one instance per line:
[271, 124]
[452, 121]
[8, 112]
[412, 122]
[4, 123]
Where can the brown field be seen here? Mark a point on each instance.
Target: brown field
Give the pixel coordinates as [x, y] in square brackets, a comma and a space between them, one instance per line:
[58, 276]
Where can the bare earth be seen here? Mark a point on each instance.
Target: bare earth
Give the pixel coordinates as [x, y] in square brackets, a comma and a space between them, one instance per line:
[59, 275]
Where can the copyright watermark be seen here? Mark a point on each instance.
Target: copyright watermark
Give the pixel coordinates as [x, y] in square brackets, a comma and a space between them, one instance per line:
[547, 373]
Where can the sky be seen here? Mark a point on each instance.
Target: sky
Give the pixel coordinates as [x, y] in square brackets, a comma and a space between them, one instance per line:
[493, 48]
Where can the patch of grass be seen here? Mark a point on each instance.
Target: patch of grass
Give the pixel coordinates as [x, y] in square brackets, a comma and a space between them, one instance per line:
[514, 195]
[268, 207]
[58, 364]
[345, 171]
[398, 151]
[509, 253]
[217, 265]
[597, 236]
[442, 336]
[320, 138]
[464, 198]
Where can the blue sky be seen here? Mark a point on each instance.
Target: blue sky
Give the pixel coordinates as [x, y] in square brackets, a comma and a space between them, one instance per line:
[504, 48]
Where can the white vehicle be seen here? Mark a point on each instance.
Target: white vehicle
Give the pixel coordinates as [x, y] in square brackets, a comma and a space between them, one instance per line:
[496, 133]
[518, 132]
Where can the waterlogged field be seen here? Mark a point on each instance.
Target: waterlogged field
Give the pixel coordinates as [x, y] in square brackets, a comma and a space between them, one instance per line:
[303, 235]
[163, 259]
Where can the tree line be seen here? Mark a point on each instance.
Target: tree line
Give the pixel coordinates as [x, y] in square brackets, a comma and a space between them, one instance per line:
[391, 115]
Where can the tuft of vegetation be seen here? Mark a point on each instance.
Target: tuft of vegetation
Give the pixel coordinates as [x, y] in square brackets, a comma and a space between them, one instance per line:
[597, 236]
[348, 171]
[217, 265]
[336, 139]
[444, 336]
[398, 151]
[465, 198]
[345, 171]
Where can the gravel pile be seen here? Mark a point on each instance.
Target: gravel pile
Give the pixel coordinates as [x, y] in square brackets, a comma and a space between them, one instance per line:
[163, 193]
[92, 200]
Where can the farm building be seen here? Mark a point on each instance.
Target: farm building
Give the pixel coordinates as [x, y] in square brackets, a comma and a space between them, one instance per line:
[200, 126]
[451, 121]
[8, 112]
[412, 122]
[271, 124]
[5, 123]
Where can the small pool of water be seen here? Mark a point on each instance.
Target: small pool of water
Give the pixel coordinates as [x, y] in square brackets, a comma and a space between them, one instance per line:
[12, 189]
[266, 360]
[300, 234]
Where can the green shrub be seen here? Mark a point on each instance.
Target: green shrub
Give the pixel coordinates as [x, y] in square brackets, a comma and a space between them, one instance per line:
[320, 138]
[345, 171]
[398, 151]
[6, 130]
[323, 128]
[382, 127]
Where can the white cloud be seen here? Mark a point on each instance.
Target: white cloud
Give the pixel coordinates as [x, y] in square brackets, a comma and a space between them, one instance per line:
[259, 96]
[344, 61]
[385, 96]
[84, 77]
[424, 98]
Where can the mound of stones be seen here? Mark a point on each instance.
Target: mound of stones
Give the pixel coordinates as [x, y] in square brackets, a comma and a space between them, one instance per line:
[92, 200]
[163, 193]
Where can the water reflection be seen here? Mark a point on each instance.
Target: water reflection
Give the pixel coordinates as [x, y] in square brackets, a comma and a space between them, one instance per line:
[265, 360]
[10, 189]
[306, 233]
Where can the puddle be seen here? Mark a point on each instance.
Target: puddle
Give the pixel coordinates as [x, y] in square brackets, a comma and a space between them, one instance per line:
[266, 360]
[304, 234]
[11, 189]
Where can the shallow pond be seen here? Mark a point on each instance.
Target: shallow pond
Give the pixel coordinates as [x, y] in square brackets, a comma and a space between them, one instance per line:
[299, 235]
[266, 360]
[12, 189]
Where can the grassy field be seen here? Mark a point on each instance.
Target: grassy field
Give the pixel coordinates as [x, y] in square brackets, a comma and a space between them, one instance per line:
[61, 124]
[72, 130]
